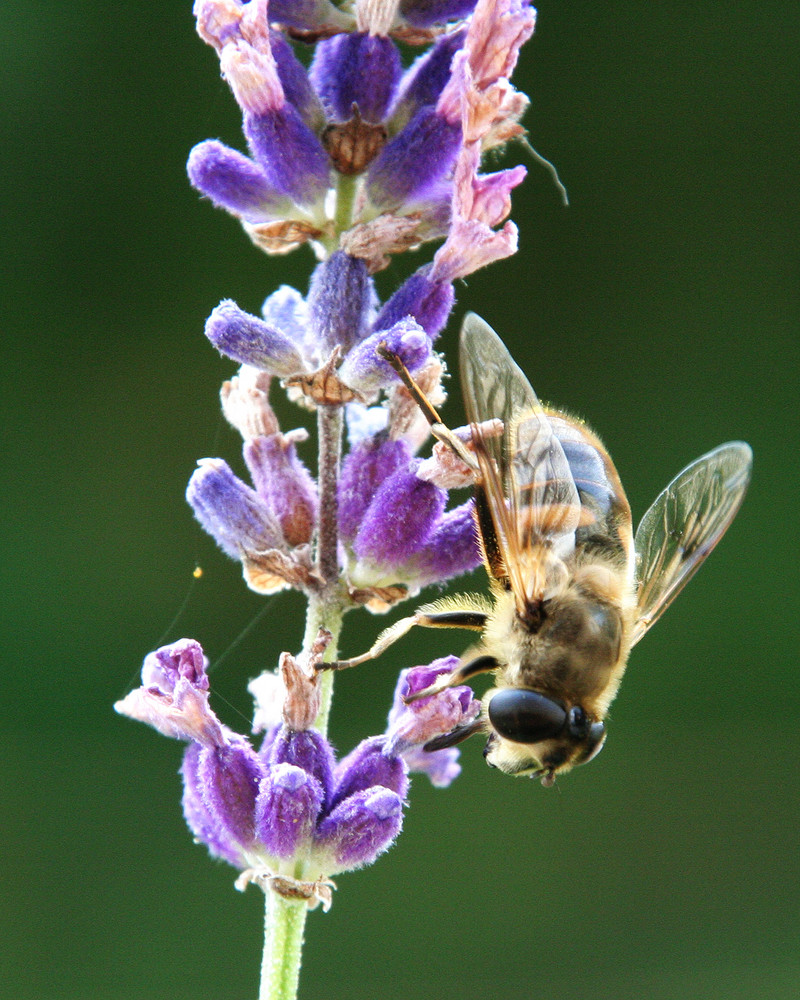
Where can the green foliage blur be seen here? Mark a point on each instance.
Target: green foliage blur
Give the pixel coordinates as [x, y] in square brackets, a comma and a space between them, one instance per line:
[662, 305]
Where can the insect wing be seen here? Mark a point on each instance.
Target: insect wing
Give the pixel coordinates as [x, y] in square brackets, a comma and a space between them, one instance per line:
[683, 526]
[524, 472]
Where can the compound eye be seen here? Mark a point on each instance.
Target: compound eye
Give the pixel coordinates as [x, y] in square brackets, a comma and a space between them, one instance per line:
[525, 716]
[578, 723]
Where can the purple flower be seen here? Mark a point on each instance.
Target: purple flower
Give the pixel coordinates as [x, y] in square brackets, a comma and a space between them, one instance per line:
[359, 829]
[357, 113]
[365, 371]
[359, 69]
[285, 485]
[413, 725]
[289, 802]
[230, 511]
[251, 341]
[173, 697]
[395, 524]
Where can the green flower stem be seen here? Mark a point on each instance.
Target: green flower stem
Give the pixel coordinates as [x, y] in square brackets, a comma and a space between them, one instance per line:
[284, 922]
[345, 199]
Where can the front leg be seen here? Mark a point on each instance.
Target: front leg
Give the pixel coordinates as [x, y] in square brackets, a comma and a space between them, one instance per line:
[428, 616]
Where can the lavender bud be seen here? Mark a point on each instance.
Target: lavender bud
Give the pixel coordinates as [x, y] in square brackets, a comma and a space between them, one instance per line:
[356, 68]
[297, 87]
[251, 341]
[228, 779]
[415, 166]
[363, 471]
[289, 801]
[232, 181]
[340, 302]
[307, 750]
[233, 514]
[203, 825]
[359, 829]
[366, 372]
[285, 485]
[427, 301]
[399, 520]
[367, 765]
[451, 549]
[290, 155]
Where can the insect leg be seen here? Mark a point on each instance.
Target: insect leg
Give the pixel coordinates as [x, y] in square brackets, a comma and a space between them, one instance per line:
[475, 620]
[478, 665]
[439, 429]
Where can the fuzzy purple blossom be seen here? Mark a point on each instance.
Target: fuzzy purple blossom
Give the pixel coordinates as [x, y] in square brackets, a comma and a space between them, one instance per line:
[290, 801]
[413, 725]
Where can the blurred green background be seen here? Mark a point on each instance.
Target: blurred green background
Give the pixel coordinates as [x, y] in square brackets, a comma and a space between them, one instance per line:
[662, 305]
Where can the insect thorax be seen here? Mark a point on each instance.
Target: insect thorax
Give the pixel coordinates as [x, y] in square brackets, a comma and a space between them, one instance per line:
[570, 649]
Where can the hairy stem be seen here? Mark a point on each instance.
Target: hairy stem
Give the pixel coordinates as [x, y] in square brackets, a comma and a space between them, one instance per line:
[284, 922]
[329, 426]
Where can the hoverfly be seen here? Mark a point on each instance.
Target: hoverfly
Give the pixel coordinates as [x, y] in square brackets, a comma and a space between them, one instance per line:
[572, 589]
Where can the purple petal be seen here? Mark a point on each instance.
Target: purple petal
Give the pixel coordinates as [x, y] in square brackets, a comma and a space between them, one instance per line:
[360, 828]
[364, 470]
[356, 68]
[341, 299]
[441, 766]
[173, 698]
[366, 372]
[307, 750]
[399, 520]
[183, 660]
[228, 779]
[204, 826]
[415, 165]
[294, 79]
[452, 548]
[285, 484]
[415, 724]
[290, 155]
[288, 804]
[428, 302]
[367, 765]
[233, 514]
[251, 341]
[234, 182]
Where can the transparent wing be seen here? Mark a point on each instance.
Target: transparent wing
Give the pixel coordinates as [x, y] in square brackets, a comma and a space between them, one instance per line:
[683, 526]
[525, 475]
